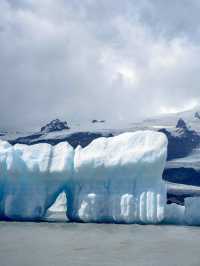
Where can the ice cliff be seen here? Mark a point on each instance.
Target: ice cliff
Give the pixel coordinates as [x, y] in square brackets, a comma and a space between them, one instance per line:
[116, 179]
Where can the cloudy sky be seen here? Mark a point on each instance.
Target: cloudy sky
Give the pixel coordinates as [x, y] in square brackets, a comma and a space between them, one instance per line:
[105, 59]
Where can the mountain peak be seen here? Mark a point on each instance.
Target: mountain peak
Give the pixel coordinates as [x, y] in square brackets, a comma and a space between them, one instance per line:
[197, 115]
[181, 124]
[54, 125]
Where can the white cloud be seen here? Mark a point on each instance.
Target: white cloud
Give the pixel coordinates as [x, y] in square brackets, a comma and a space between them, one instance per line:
[81, 60]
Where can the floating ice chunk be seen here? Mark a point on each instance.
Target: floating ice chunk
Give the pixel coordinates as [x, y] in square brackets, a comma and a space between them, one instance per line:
[57, 212]
[60, 205]
[32, 177]
[119, 179]
[192, 210]
[174, 214]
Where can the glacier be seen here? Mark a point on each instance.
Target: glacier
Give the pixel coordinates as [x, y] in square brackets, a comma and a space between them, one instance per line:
[114, 180]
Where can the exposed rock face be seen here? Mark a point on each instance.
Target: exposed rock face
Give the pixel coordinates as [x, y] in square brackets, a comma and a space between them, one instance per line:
[74, 139]
[182, 141]
[182, 166]
[181, 124]
[97, 121]
[181, 175]
[197, 115]
[55, 125]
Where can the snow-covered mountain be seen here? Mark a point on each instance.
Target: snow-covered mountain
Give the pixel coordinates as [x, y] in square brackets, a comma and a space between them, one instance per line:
[182, 130]
[54, 125]
[182, 140]
[169, 121]
[76, 134]
[183, 133]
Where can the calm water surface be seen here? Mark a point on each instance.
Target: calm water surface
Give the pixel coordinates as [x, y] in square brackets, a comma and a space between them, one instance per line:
[55, 244]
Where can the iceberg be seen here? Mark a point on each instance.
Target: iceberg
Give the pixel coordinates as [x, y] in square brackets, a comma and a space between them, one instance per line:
[192, 213]
[174, 214]
[119, 179]
[32, 177]
[116, 179]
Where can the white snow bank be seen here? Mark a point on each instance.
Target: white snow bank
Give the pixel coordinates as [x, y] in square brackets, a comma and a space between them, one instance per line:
[192, 210]
[32, 177]
[119, 179]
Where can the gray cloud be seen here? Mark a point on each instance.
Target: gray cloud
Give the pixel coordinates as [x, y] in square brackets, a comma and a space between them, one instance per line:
[96, 59]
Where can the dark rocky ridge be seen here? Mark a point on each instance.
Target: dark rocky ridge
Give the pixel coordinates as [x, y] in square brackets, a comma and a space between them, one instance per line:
[74, 139]
[54, 125]
[197, 115]
[182, 141]
[182, 175]
[98, 121]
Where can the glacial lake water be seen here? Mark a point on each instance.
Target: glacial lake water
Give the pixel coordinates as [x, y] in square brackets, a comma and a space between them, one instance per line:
[75, 244]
